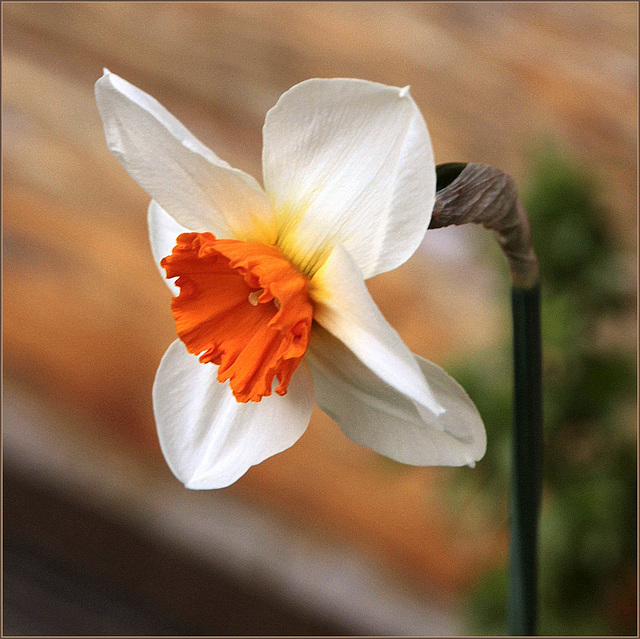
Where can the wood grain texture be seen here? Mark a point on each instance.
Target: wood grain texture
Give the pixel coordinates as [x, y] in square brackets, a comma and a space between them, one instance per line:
[86, 316]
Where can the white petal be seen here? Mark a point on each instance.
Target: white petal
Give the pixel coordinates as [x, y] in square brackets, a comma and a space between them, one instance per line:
[209, 439]
[343, 305]
[349, 161]
[198, 189]
[163, 231]
[375, 415]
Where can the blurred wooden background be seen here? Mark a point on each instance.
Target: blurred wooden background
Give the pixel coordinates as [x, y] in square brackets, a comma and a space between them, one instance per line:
[86, 315]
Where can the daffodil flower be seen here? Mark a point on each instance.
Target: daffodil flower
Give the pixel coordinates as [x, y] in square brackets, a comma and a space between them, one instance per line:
[270, 292]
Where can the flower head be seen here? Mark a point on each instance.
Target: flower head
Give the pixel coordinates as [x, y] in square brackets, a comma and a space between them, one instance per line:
[270, 293]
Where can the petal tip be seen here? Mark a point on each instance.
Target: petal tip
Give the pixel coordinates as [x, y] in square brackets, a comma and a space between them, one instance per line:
[404, 91]
[105, 77]
[196, 483]
[439, 410]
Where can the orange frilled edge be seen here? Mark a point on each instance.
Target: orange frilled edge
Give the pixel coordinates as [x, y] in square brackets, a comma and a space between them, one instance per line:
[243, 307]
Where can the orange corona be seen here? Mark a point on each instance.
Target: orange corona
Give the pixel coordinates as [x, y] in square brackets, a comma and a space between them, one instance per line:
[243, 307]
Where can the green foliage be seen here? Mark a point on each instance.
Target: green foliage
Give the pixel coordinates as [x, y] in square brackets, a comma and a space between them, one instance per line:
[588, 525]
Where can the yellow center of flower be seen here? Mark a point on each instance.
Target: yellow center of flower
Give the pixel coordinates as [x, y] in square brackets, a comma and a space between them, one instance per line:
[243, 307]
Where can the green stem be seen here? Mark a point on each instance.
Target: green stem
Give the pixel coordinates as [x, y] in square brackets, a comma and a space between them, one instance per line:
[527, 461]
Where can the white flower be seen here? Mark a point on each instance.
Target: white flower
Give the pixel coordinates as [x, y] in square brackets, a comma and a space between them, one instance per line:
[270, 290]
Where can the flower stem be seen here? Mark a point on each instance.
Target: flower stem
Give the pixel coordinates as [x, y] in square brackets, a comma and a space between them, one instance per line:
[527, 448]
[479, 194]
